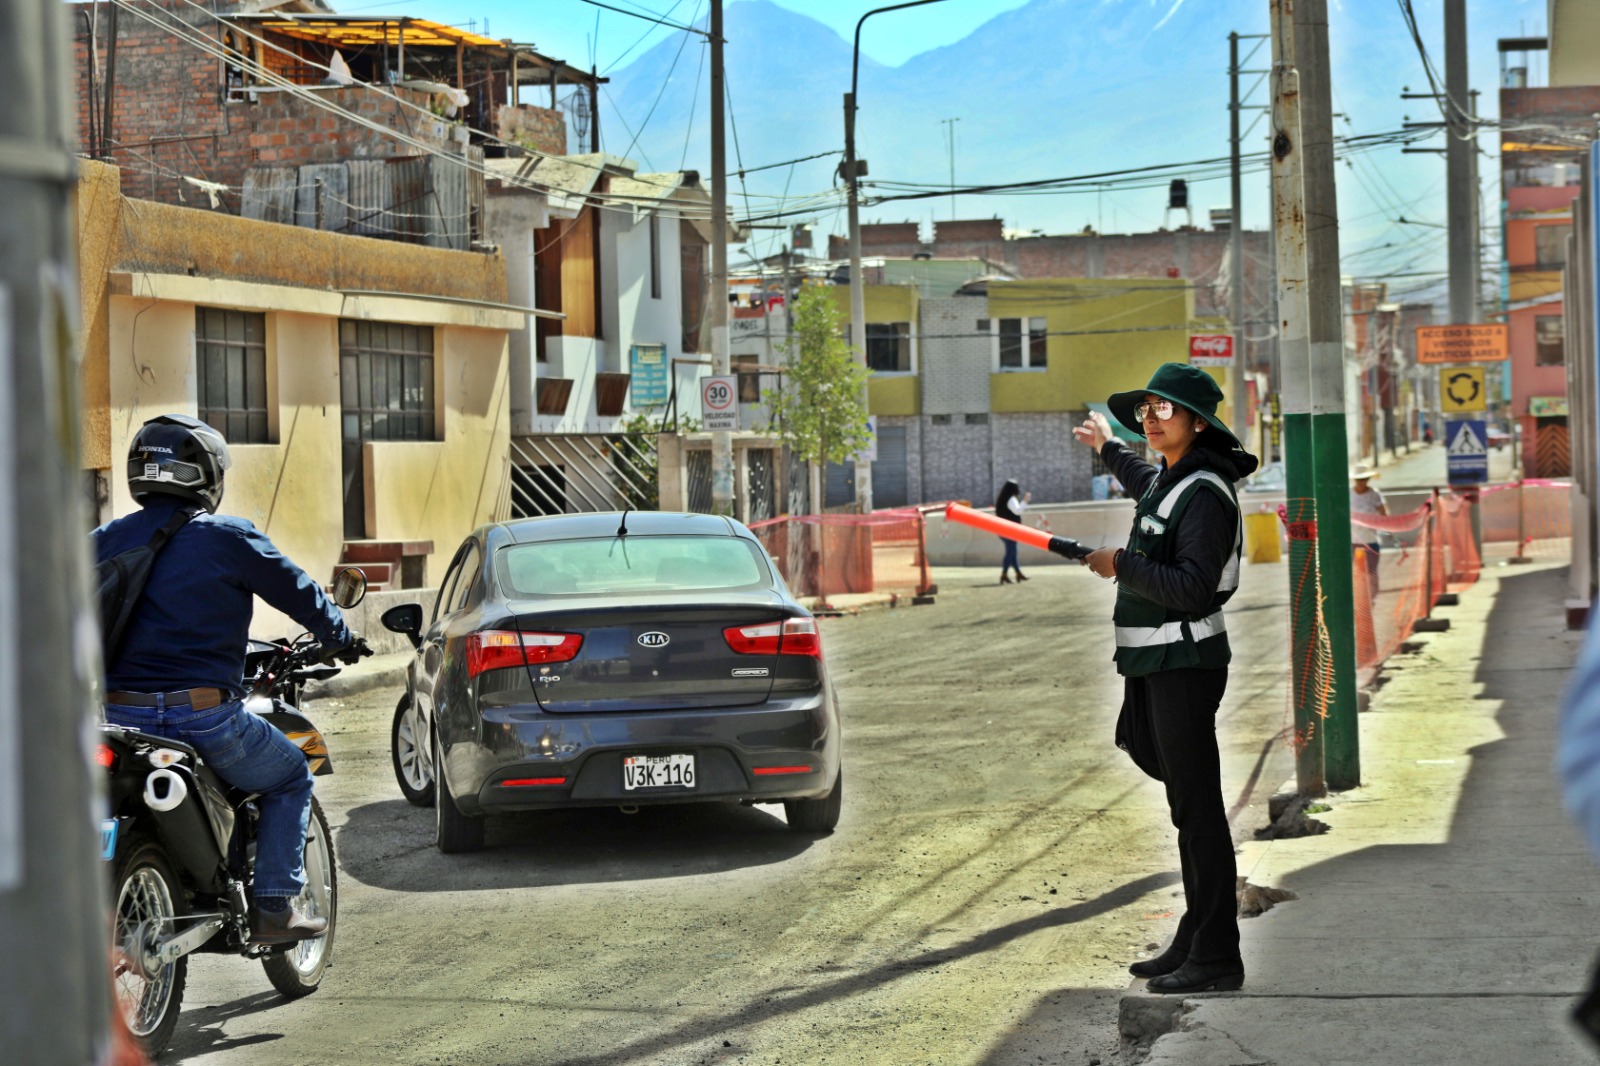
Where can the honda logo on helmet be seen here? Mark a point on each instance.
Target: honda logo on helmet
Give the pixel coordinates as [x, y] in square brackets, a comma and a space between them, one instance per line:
[654, 639]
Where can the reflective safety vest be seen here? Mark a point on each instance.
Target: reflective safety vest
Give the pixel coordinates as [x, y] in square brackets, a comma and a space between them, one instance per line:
[1150, 636]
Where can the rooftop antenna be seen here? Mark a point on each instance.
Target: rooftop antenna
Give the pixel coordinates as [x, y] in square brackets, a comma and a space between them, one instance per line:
[622, 530]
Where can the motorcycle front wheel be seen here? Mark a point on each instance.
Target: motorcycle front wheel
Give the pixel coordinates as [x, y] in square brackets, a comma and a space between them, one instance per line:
[148, 899]
[297, 970]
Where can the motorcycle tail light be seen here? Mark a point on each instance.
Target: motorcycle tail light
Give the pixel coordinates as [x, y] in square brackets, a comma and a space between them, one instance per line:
[105, 756]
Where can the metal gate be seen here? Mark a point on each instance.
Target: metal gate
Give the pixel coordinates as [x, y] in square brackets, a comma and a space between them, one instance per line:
[579, 472]
[889, 468]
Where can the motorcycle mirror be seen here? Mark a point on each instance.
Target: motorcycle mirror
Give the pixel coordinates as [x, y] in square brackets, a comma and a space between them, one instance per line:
[349, 587]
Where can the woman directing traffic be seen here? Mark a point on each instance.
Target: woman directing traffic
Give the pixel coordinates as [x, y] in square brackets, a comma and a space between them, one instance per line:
[1180, 565]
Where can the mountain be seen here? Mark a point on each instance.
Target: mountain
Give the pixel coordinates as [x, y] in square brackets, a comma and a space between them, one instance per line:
[1053, 88]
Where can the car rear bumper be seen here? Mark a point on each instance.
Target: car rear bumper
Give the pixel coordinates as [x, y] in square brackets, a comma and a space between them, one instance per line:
[527, 759]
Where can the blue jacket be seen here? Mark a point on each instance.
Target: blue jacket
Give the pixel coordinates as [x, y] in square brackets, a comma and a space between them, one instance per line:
[1578, 741]
[192, 626]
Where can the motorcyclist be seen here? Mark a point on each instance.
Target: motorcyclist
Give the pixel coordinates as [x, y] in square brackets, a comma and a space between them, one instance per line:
[179, 673]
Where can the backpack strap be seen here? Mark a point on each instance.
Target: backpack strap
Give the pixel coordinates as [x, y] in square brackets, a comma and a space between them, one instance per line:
[179, 519]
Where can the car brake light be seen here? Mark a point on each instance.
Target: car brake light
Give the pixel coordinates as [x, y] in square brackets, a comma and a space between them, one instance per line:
[533, 782]
[794, 636]
[773, 771]
[496, 649]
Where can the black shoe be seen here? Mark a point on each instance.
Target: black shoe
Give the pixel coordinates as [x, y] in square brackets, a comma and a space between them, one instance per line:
[1004, 580]
[285, 926]
[1200, 977]
[1020, 577]
[1163, 963]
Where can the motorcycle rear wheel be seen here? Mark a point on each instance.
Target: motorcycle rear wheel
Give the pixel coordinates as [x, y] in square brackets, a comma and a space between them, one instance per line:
[298, 970]
[148, 899]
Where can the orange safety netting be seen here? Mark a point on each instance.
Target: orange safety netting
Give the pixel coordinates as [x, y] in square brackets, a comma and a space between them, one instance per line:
[1531, 519]
[834, 554]
[1310, 648]
[1402, 564]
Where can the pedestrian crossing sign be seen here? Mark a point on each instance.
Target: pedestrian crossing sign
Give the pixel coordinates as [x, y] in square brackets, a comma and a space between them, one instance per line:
[1467, 451]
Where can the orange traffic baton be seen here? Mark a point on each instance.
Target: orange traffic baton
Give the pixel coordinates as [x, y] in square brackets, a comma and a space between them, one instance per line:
[1002, 527]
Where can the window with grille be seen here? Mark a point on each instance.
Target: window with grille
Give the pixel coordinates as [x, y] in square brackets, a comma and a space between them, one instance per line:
[230, 356]
[1550, 340]
[1550, 245]
[1021, 343]
[386, 381]
[889, 346]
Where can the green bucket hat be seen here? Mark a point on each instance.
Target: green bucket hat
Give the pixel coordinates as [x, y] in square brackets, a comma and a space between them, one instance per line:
[1185, 385]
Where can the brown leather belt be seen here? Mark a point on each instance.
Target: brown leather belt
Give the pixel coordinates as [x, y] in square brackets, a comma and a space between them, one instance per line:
[199, 699]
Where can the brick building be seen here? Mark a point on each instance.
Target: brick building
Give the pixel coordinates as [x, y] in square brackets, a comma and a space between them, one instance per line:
[1546, 131]
[187, 98]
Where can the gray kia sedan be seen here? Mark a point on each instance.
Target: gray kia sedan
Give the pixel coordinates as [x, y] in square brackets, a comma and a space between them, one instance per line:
[614, 660]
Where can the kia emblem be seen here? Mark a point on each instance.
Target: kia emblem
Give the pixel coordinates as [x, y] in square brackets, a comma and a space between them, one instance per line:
[654, 639]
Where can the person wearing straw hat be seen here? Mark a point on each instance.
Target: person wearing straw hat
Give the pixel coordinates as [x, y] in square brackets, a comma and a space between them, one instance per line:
[1366, 499]
[1180, 565]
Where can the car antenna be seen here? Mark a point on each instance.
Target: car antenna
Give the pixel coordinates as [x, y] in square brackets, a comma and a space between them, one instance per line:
[622, 530]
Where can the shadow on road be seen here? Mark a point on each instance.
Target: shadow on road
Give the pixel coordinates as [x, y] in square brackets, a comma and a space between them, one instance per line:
[390, 845]
[200, 1029]
[765, 1004]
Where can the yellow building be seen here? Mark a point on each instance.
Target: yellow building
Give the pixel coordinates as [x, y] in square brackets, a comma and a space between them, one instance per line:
[362, 384]
[985, 383]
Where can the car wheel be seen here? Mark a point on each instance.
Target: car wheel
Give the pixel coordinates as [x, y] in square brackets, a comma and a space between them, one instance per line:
[454, 832]
[413, 768]
[818, 815]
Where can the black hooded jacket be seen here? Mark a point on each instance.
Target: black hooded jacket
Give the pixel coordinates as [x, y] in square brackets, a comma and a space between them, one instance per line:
[1205, 536]
[1008, 492]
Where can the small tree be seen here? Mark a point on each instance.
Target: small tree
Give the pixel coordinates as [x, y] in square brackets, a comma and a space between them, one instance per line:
[820, 411]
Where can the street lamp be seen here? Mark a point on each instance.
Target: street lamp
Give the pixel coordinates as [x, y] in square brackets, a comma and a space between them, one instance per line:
[852, 176]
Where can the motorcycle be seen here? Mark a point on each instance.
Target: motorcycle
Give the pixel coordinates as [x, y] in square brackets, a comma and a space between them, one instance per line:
[181, 847]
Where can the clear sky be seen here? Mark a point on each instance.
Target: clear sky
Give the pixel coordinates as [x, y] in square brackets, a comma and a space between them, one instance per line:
[573, 30]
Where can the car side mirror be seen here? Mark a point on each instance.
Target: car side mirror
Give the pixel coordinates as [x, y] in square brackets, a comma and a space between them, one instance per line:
[405, 618]
[349, 587]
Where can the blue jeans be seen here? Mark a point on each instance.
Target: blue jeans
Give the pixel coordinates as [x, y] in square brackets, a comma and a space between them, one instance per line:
[1009, 562]
[250, 754]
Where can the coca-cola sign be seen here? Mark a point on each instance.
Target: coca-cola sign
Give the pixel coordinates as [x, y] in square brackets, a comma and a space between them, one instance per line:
[1211, 349]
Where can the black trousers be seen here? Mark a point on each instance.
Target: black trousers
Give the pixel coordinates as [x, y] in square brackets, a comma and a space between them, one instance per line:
[1169, 726]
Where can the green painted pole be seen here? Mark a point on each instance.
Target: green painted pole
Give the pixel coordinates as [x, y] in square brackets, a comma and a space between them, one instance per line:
[1329, 438]
[1289, 216]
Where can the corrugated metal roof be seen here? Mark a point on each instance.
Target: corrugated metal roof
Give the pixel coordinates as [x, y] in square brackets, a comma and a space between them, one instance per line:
[366, 30]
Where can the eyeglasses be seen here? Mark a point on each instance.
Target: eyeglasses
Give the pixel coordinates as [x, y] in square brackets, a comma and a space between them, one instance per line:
[1162, 410]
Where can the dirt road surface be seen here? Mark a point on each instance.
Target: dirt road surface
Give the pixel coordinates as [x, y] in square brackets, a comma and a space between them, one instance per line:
[998, 865]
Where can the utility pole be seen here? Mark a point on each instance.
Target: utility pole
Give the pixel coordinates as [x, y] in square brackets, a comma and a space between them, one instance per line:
[721, 440]
[1329, 430]
[949, 125]
[55, 1003]
[853, 169]
[1236, 244]
[1461, 168]
[1294, 347]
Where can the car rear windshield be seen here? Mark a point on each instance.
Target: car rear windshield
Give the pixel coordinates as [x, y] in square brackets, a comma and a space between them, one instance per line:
[631, 564]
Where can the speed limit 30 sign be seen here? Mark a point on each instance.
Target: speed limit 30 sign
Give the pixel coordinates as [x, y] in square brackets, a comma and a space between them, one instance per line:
[719, 402]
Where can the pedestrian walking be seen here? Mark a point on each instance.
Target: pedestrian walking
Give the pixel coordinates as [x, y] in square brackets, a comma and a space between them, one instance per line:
[1180, 565]
[1366, 499]
[1010, 504]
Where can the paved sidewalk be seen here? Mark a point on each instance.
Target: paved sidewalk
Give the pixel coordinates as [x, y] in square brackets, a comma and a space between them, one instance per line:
[1450, 914]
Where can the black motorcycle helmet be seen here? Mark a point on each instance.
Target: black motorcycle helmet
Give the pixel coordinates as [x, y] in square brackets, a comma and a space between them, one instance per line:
[175, 455]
